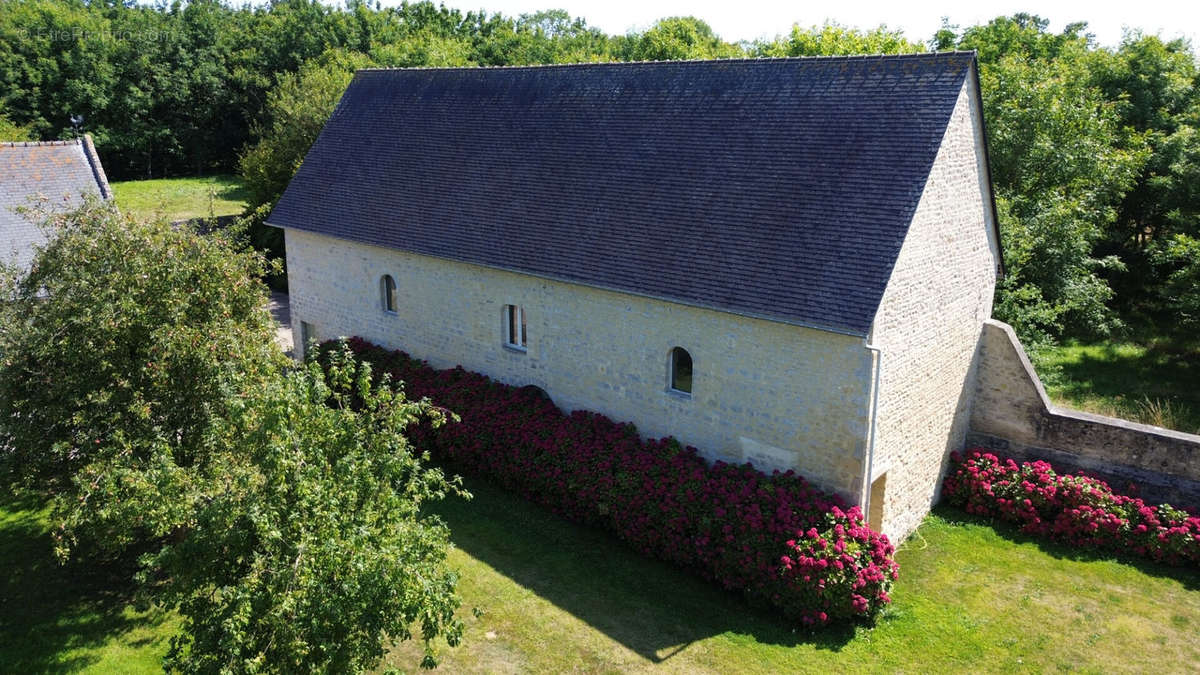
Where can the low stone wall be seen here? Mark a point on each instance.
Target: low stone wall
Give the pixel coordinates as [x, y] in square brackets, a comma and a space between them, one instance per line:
[207, 225]
[1013, 416]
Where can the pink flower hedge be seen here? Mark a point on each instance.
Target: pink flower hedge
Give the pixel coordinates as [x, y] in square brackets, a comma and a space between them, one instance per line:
[1079, 510]
[775, 538]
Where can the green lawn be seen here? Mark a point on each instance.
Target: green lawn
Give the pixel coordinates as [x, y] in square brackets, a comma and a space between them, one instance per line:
[56, 619]
[555, 597]
[181, 198]
[1128, 380]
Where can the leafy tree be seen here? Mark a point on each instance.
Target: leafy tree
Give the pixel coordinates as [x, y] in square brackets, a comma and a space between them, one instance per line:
[1156, 87]
[1061, 163]
[124, 333]
[9, 131]
[678, 37]
[55, 64]
[423, 49]
[279, 512]
[552, 36]
[297, 109]
[1021, 34]
[832, 39]
[1179, 257]
[309, 552]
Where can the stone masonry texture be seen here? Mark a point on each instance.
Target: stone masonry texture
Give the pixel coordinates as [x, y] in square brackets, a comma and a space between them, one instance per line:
[928, 325]
[778, 395]
[1013, 416]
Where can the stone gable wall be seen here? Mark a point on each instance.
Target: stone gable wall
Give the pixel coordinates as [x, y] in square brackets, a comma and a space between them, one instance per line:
[928, 326]
[778, 395]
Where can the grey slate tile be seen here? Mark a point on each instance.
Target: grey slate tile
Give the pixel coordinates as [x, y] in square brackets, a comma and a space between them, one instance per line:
[780, 188]
[50, 175]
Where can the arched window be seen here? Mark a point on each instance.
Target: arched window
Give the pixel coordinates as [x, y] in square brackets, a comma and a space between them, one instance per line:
[387, 286]
[681, 370]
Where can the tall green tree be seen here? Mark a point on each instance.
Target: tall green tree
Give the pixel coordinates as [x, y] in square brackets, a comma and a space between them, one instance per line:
[677, 37]
[1061, 164]
[279, 511]
[56, 66]
[1156, 87]
[122, 333]
[832, 39]
[309, 552]
[297, 108]
[1178, 259]
[553, 36]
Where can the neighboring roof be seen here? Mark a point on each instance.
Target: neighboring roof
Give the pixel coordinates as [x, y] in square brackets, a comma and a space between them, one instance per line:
[776, 188]
[49, 174]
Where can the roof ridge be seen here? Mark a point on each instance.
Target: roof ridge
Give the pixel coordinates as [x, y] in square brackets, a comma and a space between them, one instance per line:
[732, 59]
[34, 144]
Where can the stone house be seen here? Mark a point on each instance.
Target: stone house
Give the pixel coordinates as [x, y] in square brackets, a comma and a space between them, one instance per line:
[781, 261]
[43, 175]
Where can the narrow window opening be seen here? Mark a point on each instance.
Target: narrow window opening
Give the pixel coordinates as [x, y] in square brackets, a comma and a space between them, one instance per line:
[515, 329]
[681, 370]
[875, 510]
[308, 333]
[388, 289]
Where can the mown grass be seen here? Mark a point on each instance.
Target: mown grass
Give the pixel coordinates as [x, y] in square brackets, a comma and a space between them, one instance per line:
[79, 617]
[555, 597]
[1131, 381]
[971, 598]
[181, 198]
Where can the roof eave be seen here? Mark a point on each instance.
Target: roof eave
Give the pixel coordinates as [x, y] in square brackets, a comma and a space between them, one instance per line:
[849, 332]
[987, 165]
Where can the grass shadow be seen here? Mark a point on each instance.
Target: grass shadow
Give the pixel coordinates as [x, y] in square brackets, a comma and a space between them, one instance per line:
[231, 188]
[51, 615]
[1190, 578]
[649, 606]
[1128, 375]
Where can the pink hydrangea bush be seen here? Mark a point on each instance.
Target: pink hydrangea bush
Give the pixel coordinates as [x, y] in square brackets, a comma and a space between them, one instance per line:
[1079, 510]
[775, 538]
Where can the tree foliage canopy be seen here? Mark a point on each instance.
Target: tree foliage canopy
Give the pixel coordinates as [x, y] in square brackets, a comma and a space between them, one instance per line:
[832, 39]
[122, 333]
[307, 551]
[277, 509]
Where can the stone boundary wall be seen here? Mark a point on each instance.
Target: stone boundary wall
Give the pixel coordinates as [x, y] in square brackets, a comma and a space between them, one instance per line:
[209, 224]
[1013, 416]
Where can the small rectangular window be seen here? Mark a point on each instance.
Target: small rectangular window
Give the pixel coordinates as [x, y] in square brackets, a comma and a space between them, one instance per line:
[514, 327]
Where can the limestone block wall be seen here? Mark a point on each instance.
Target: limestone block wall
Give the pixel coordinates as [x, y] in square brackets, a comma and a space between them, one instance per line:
[779, 395]
[928, 326]
[1013, 416]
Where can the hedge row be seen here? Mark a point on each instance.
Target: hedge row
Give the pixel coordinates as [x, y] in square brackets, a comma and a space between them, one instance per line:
[775, 538]
[1079, 510]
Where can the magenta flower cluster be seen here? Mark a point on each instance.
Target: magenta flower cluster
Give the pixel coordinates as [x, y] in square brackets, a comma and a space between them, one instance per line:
[1080, 510]
[775, 538]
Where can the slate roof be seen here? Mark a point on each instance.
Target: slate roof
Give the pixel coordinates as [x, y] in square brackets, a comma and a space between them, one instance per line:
[776, 188]
[50, 174]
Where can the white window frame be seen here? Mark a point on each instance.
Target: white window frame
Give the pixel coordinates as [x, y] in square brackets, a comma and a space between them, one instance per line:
[671, 356]
[516, 328]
